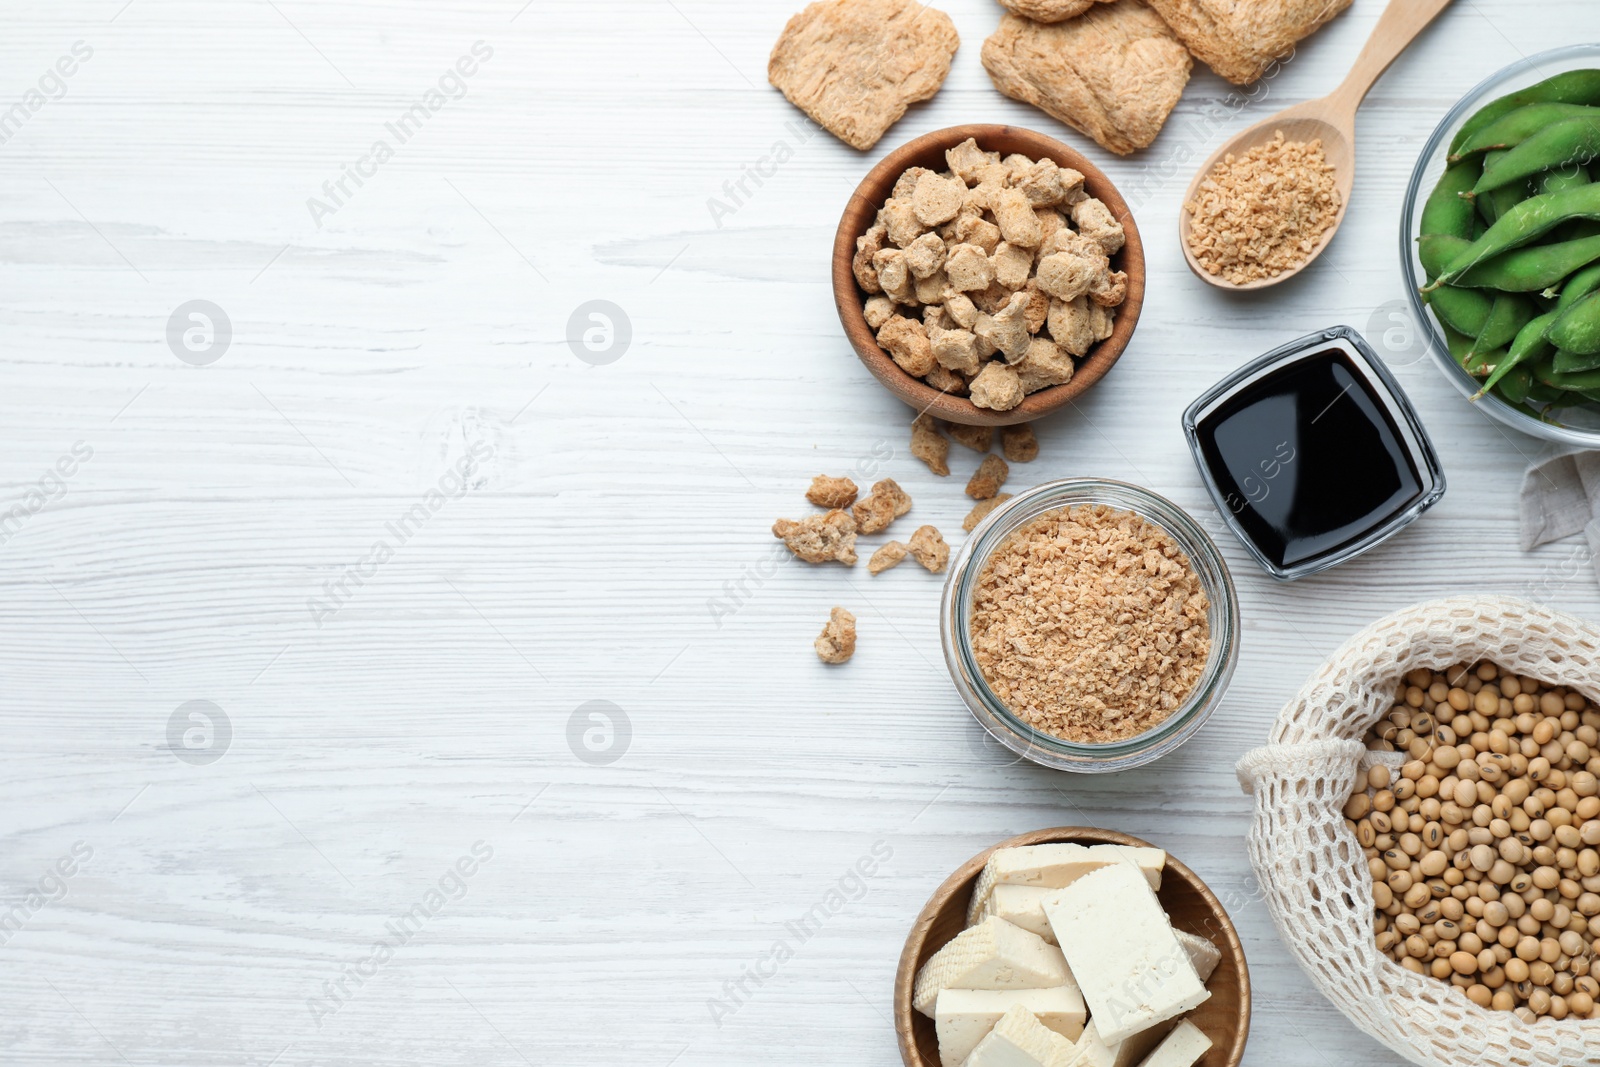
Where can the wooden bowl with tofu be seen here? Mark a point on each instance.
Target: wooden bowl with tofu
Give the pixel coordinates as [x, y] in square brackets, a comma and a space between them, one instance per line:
[1027, 998]
[929, 151]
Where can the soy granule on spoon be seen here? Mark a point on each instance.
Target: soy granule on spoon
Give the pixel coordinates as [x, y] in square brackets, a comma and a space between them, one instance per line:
[1262, 213]
[1090, 624]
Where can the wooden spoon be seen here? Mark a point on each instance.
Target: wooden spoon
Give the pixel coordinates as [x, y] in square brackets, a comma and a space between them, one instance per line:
[1333, 118]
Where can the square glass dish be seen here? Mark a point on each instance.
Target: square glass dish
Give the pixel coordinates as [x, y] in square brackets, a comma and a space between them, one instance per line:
[1313, 454]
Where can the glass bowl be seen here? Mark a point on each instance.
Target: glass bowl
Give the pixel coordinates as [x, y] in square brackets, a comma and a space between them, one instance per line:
[1575, 425]
[1025, 740]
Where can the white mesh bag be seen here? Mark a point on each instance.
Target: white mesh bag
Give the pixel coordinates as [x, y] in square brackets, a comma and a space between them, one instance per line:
[1311, 869]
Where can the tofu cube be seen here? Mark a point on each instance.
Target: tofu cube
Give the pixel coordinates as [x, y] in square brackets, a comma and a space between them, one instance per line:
[1183, 1047]
[1020, 905]
[964, 1017]
[1123, 953]
[1020, 1040]
[1202, 953]
[992, 955]
[1057, 866]
[1092, 1051]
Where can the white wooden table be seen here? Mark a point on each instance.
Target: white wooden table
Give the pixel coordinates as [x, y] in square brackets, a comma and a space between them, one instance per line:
[387, 709]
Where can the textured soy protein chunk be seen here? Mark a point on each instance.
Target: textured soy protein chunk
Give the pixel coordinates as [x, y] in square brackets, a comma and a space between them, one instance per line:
[1018, 444]
[997, 387]
[868, 245]
[988, 478]
[925, 256]
[1007, 329]
[906, 341]
[883, 505]
[826, 538]
[927, 547]
[1046, 364]
[878, 310]
[938, 198]
[1095, 221]
[1114, 72]
[888, 555]
[981, 511]
[855, 66]
[829, 492]
[929, 445]
[1241, 41]
[837, 642]
[978, 438]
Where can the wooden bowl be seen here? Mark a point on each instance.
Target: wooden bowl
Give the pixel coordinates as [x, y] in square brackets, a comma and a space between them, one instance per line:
[1225, 1017]
[928, 151]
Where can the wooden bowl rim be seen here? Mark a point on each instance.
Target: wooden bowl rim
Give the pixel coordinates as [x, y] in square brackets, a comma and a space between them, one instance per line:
[849, 298]
[905, 973]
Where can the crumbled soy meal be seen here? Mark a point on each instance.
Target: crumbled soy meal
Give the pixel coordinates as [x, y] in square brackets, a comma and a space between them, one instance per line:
[1090, 624]
[1262, 213]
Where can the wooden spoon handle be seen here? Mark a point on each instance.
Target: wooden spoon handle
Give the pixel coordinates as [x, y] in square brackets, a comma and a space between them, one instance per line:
[1399, 26]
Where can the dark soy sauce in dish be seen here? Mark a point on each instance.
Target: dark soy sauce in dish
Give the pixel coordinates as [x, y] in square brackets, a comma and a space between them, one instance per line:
[1308, 459]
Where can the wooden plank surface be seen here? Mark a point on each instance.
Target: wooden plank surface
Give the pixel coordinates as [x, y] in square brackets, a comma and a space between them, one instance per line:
[609, 543]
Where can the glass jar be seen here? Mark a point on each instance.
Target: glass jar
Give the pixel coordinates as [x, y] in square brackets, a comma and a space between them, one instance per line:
[1028, 741]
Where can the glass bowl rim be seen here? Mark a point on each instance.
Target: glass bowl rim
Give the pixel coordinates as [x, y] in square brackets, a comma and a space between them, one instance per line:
[1464, 383]
[1027, 740]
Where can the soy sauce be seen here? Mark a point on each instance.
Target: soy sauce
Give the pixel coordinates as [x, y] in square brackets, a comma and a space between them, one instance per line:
[1308, 459]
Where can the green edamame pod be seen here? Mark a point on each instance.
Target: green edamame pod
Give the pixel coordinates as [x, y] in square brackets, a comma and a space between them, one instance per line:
[1497, 202]
[1494, 204]
[1436, 250]
[1528, 221]
[1561, 178]
[1565, 142]
[1508, 315]
[1517, 126]
[1540, 393]
[1513, 388]
[1482, 364]
[1477, 365]
[1529, 345]
[1579, 286]
[1462, 310]
[1527, 270]
[1445, 212]
[1569, 87]
[1575, 362]
[1586, 380]
[1577, 328]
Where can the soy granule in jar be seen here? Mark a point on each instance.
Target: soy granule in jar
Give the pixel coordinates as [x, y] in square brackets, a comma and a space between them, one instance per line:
[1263, 212]
[1090, 624]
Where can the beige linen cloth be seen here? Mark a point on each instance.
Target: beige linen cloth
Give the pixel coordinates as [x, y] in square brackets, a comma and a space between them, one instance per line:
[1561, 497]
